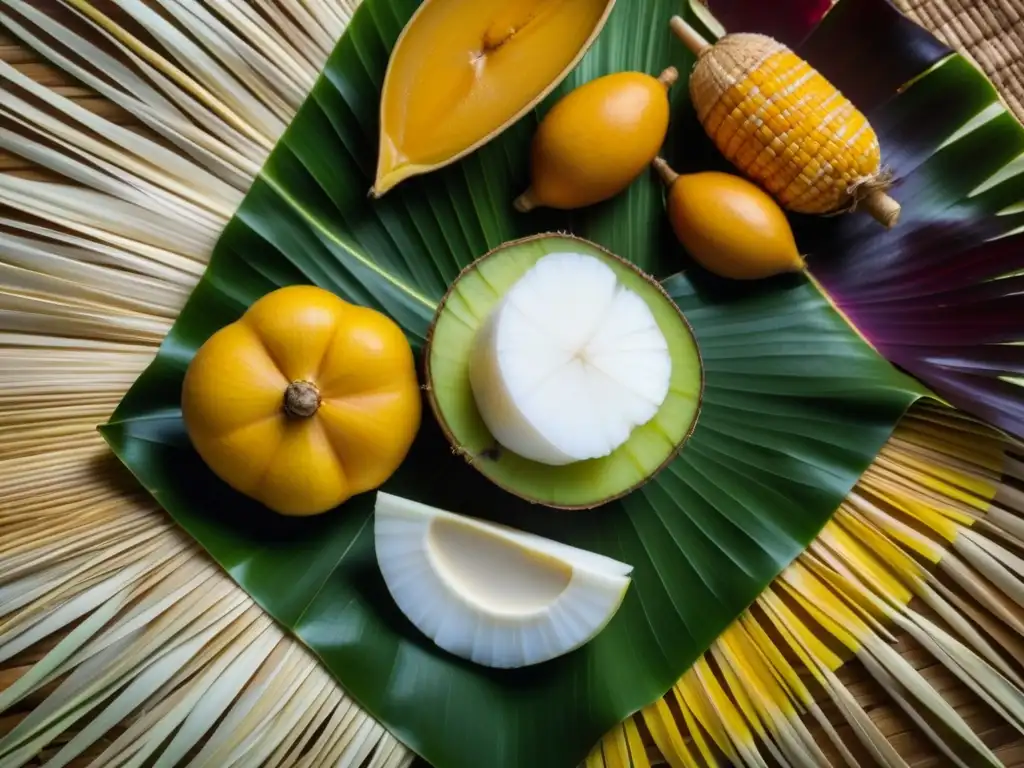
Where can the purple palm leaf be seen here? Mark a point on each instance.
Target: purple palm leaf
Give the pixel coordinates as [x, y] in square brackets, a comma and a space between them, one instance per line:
[788, 21]
[938, 294]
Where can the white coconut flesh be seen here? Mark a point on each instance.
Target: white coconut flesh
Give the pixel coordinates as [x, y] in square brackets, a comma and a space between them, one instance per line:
[492, 594]
[569, 362]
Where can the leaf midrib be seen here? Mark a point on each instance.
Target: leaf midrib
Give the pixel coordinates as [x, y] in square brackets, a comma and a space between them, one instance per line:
[344, 245]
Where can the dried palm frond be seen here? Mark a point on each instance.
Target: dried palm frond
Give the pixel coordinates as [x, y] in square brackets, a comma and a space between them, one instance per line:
[120, 642]
[760, 693]
[92, 274]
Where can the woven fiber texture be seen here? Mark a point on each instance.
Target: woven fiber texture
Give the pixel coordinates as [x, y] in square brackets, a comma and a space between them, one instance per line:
[808, 171]
[163, 658]
[989, 31]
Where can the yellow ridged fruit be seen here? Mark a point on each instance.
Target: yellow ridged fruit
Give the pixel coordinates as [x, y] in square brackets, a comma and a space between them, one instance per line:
[729, 225]
[304, 401]
[597, 139]
[786, 127]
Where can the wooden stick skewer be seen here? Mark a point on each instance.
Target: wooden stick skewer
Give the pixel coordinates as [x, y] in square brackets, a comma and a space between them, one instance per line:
[691, 37]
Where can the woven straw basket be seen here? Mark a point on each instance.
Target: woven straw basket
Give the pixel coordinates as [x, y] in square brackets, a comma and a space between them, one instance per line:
[990, 32]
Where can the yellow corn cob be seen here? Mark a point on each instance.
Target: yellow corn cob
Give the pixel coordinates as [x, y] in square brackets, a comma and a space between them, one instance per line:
[785, 126]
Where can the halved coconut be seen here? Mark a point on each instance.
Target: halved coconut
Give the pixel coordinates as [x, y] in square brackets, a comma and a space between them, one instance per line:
[562, 372]
[492, 594]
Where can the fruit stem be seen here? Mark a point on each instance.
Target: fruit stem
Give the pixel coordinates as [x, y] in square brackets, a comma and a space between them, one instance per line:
[668, 77]
[882, 207]
[526, 202]
[690, 37]
[665, 171]
[301, 399]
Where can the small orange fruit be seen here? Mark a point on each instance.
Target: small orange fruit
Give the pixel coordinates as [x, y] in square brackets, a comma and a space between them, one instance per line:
[597, 139]
[731, 226]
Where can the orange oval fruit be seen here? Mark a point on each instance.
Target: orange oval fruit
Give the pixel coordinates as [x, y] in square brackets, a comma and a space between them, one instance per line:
[729, 225]
[597, 139]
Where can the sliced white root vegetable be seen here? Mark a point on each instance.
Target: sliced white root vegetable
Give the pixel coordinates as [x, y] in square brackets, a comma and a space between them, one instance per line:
[569, 363]
[492, 594]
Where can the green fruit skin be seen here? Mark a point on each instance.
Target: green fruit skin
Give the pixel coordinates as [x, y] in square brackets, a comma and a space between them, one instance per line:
[582, 484]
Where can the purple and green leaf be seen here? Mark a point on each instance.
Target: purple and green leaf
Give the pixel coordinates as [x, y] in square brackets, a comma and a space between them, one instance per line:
[937, 295]
[789, 22]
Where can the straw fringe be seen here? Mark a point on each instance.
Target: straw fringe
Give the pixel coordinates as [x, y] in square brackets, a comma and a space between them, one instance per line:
[159, 656]
[755, 697]
[160, 650]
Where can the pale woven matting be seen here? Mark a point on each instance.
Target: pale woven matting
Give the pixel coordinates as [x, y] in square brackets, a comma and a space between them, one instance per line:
[990, 31]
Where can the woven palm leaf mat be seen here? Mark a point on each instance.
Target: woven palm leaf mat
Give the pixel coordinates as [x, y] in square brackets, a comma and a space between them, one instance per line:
[991, 32]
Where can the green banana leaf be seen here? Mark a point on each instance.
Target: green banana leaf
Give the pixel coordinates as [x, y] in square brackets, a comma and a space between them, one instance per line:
[796, 406]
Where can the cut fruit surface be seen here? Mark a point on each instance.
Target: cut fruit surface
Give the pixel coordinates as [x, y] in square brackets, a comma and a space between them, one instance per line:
[589, 376]
[463, 71]
[569, 362]
[492, 594]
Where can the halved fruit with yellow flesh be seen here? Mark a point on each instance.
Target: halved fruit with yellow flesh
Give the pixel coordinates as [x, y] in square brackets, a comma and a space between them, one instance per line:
[562, 372]
[462, 71]
[492, 594]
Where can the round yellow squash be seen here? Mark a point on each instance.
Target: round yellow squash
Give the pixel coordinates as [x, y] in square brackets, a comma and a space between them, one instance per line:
[303, 402]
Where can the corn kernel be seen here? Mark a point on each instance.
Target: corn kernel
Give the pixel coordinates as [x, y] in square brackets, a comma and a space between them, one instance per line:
[714, 119]
[778, 124]
[786, 126]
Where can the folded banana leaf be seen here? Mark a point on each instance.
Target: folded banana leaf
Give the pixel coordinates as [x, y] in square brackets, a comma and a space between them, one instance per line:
[796, 403]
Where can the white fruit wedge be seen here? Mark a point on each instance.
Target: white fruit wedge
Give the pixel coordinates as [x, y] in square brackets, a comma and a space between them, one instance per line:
[569, 363]
[492, 594]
